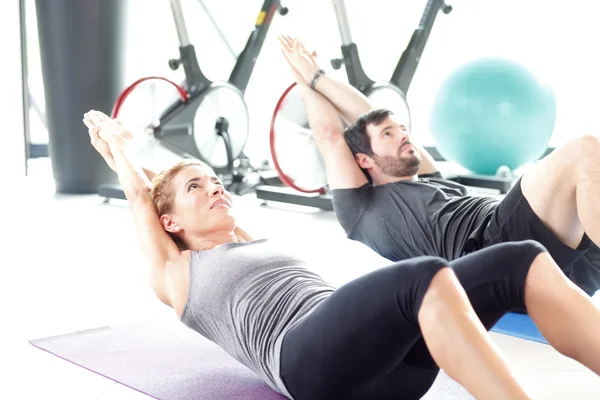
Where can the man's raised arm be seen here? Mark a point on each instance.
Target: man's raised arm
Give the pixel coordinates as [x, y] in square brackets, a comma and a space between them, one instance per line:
[324, 119]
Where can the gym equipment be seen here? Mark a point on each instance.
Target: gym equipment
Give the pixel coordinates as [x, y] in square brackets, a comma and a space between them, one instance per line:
[166, 360]
[79, 44]
[290, 118]
[299, 143]
[491, 113]
[519, 325]
[210, 120]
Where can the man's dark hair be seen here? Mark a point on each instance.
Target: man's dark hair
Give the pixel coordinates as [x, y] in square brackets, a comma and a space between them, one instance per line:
[356, 134]
[358, 139]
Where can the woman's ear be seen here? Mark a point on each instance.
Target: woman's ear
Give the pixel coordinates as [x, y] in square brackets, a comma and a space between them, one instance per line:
[169, 224]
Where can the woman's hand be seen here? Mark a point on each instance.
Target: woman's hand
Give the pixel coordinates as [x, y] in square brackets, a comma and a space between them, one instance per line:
[100, 145]
[304, 64]
[110, 131]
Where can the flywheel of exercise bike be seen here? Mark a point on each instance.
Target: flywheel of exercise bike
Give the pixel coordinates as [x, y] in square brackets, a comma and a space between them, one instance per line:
[220, 102]
[386, 95]
[293, 148]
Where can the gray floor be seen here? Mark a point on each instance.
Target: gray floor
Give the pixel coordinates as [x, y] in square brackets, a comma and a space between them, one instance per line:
[76, 265]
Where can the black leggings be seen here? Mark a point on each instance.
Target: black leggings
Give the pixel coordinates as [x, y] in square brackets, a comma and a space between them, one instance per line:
[364, 341]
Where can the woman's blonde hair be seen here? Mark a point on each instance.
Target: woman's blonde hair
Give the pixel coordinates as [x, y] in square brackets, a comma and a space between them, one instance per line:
[163, 195]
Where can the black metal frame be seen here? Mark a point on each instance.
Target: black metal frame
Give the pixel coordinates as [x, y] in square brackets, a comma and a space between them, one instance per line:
[197, 82]
[242, 71]
[176, 122]
[407, 66]
[435, 153]
[401, 78]
[409, 61]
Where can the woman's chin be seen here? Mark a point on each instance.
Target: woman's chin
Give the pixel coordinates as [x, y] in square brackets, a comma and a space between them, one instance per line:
[227, 219]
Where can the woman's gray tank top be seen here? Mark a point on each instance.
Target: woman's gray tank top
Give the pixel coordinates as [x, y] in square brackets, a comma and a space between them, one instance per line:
[245, 296]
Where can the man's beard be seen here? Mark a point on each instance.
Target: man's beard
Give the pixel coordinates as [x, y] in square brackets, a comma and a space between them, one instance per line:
[400, 165]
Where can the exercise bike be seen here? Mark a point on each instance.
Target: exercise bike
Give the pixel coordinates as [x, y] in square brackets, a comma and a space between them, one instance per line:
[388, 94]
[210, 120]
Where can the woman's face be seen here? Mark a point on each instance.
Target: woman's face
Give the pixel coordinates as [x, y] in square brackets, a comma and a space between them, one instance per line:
[201, 205]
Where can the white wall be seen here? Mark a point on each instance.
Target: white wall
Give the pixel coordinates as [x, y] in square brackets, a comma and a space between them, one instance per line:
[12, 147]
[557, 40]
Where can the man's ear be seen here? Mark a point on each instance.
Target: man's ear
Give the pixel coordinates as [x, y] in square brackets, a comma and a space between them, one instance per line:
[169, 224]
[364, 161]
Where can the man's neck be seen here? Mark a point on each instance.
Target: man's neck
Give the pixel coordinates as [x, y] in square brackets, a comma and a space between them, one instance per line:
[382, 180]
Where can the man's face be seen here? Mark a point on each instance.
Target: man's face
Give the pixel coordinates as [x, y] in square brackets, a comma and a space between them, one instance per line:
[394, 154]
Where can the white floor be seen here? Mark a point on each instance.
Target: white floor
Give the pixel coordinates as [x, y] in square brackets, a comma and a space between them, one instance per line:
[72, 263]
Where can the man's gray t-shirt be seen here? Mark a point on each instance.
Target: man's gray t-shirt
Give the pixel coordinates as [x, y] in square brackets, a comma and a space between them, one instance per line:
[407, 219]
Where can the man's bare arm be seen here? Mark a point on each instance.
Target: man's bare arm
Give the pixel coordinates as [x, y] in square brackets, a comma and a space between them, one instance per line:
[351, 104]
[342, 170]
[348, 101]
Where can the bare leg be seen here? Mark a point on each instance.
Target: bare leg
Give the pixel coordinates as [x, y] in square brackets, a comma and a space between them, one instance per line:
[563, 190]
[564, 314]
[459, 343]
[588, 190]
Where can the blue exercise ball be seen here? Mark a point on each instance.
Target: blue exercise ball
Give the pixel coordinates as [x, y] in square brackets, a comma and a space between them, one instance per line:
[491, 113]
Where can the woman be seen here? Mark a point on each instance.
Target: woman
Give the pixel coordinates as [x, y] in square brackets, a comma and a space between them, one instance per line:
[382, 336]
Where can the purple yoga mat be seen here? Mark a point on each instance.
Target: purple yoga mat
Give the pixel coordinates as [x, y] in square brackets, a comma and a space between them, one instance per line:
[166, 360]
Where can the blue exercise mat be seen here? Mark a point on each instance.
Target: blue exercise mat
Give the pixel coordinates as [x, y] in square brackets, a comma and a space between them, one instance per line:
[519, 325]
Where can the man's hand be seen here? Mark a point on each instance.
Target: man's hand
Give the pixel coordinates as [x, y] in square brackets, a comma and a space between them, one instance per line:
[303, 63]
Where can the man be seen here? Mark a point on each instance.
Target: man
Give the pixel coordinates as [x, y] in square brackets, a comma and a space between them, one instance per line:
[389, 194]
